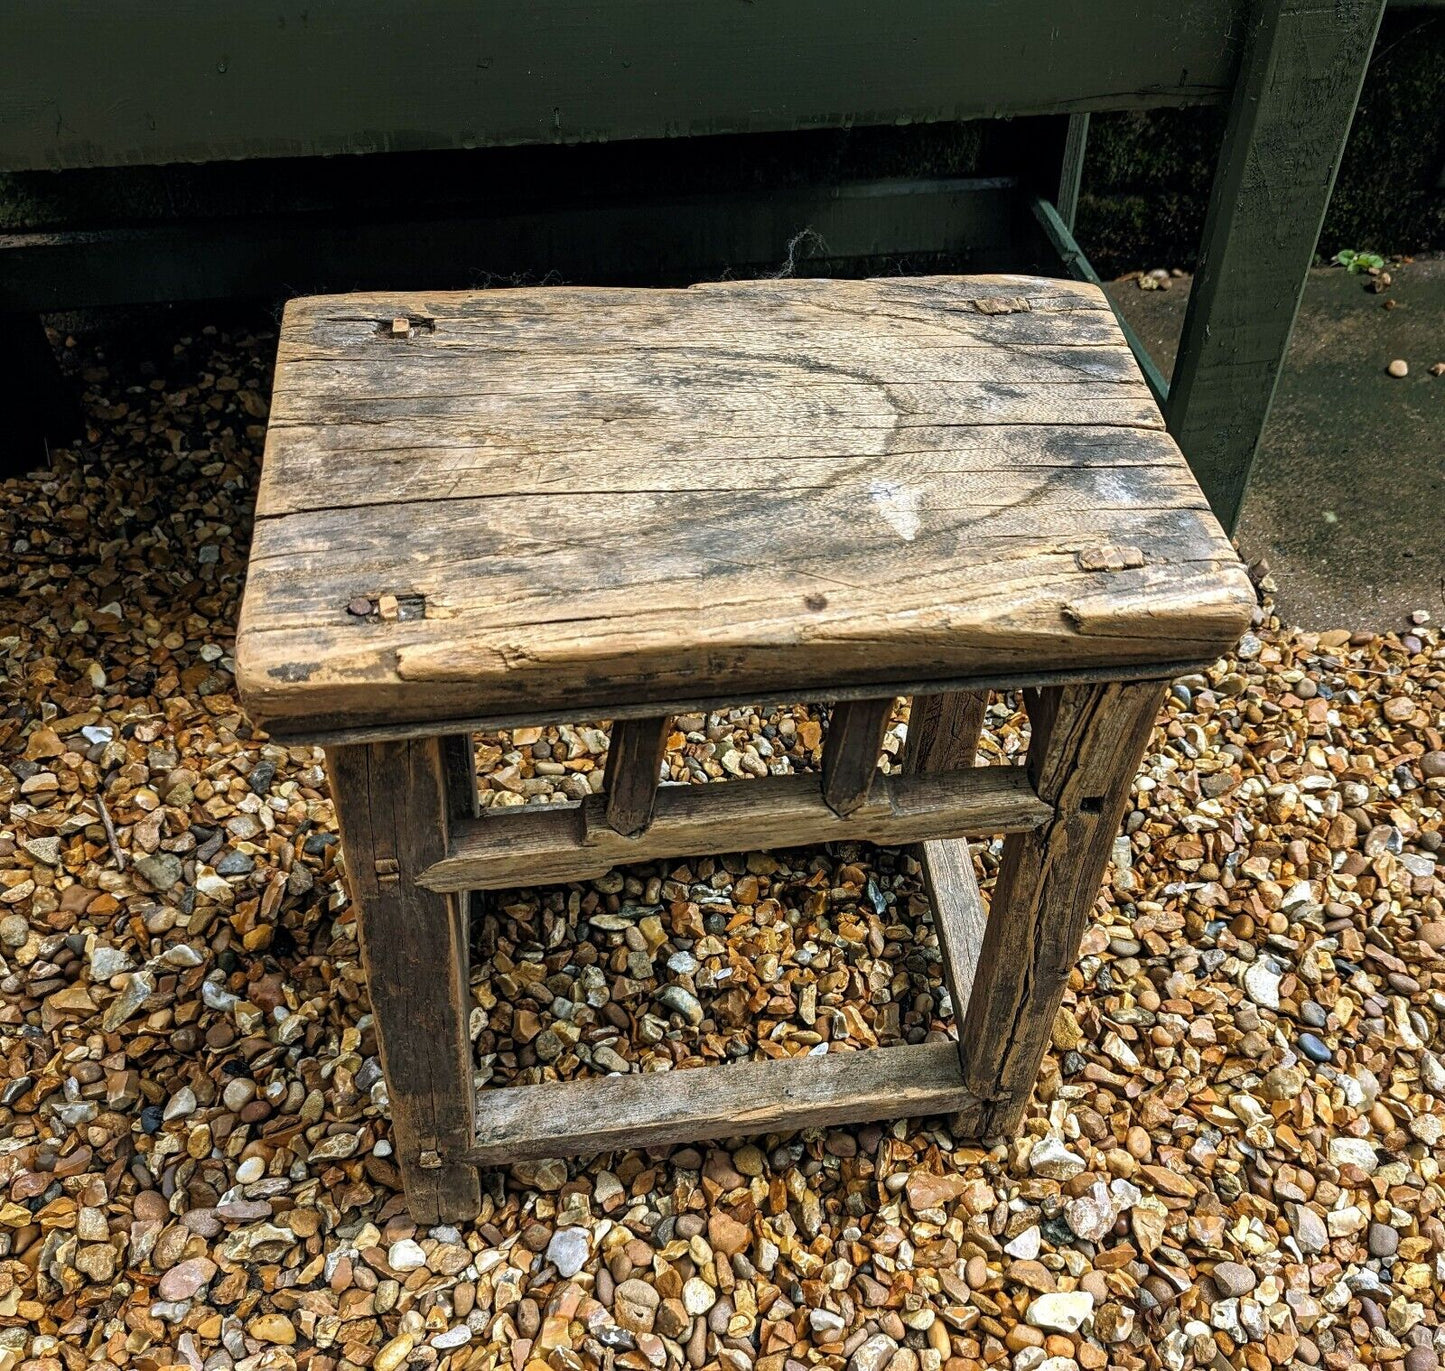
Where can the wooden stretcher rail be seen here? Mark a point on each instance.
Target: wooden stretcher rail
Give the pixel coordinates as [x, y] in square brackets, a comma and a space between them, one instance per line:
[331, 734]
[568, 1118]
[545, 846]
[659, 1108]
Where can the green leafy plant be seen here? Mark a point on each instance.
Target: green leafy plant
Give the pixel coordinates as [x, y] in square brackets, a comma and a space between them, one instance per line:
[1355, 262]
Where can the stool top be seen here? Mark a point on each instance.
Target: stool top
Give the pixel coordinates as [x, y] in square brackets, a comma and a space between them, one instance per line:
[546, 501]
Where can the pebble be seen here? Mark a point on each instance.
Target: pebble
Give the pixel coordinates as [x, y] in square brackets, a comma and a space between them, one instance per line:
[1050, 1158]
[873, 1354]
[184, 1280]
[391, 1356]
[1027, 1244]
[568, 1251]
[1233, 1279]
[272, 1328]
[635, 1305]
[1062, 1311]
[405, 1255]
[1261, 984]
[1356, 1152]
[698, 1296]
[1399, 367]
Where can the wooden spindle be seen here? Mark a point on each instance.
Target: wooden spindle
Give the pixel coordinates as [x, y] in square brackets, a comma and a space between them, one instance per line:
[634, 759]
[850, 751]
[943, 731]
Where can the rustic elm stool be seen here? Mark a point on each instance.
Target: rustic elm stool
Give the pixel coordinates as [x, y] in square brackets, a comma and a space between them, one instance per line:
[498, 508]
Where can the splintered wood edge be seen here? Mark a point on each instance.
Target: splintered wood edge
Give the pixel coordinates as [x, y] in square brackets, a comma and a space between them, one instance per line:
[528, 846]
[746, 1099]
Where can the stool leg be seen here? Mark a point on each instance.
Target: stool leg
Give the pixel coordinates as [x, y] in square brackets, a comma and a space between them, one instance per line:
[393, 807]
[1085, 749]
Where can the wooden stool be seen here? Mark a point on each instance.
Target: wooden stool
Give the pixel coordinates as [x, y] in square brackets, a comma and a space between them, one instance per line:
[491, 509]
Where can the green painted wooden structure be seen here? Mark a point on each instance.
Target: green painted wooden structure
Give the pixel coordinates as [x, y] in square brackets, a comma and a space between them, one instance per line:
[88, 84]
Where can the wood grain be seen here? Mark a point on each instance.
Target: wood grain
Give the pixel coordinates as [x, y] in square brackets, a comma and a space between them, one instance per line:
[1299, 82]
[608, 497]
[529, 846]
[634, 762]
[746, 1099]
[960, 917]
[1084, 750]
[459, 761]
[943, 731]
[851, 749]
[392, 807]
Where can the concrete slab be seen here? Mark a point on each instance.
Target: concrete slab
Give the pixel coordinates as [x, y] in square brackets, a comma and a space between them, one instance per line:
[1347, 500]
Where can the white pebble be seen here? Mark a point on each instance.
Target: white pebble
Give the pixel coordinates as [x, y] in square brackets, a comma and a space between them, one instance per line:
[405, 1256]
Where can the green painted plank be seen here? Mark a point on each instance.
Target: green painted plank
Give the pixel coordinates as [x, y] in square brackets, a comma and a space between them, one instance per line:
[656, 241]
[1071, 258]
[125, 82]
[1290, 115]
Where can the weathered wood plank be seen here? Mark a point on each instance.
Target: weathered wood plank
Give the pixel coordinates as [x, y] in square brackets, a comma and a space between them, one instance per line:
[392, 807]
[943, 731]
[868, 533]
[1300, 79]
[634, 760]
[851, 749]
[564, 1118]
[959, 916]
[1084, 751]
[316, 732]
[457, 456]
[181, 80]
[539, 847]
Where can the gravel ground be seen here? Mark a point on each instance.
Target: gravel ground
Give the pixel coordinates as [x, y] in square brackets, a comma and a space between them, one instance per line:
[1233, 1158]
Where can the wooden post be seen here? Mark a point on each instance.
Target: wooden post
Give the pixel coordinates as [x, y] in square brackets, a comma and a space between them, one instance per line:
[392, 804]
[634, 759]
[1086, 744]
[1295, 95]
[850, 752]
